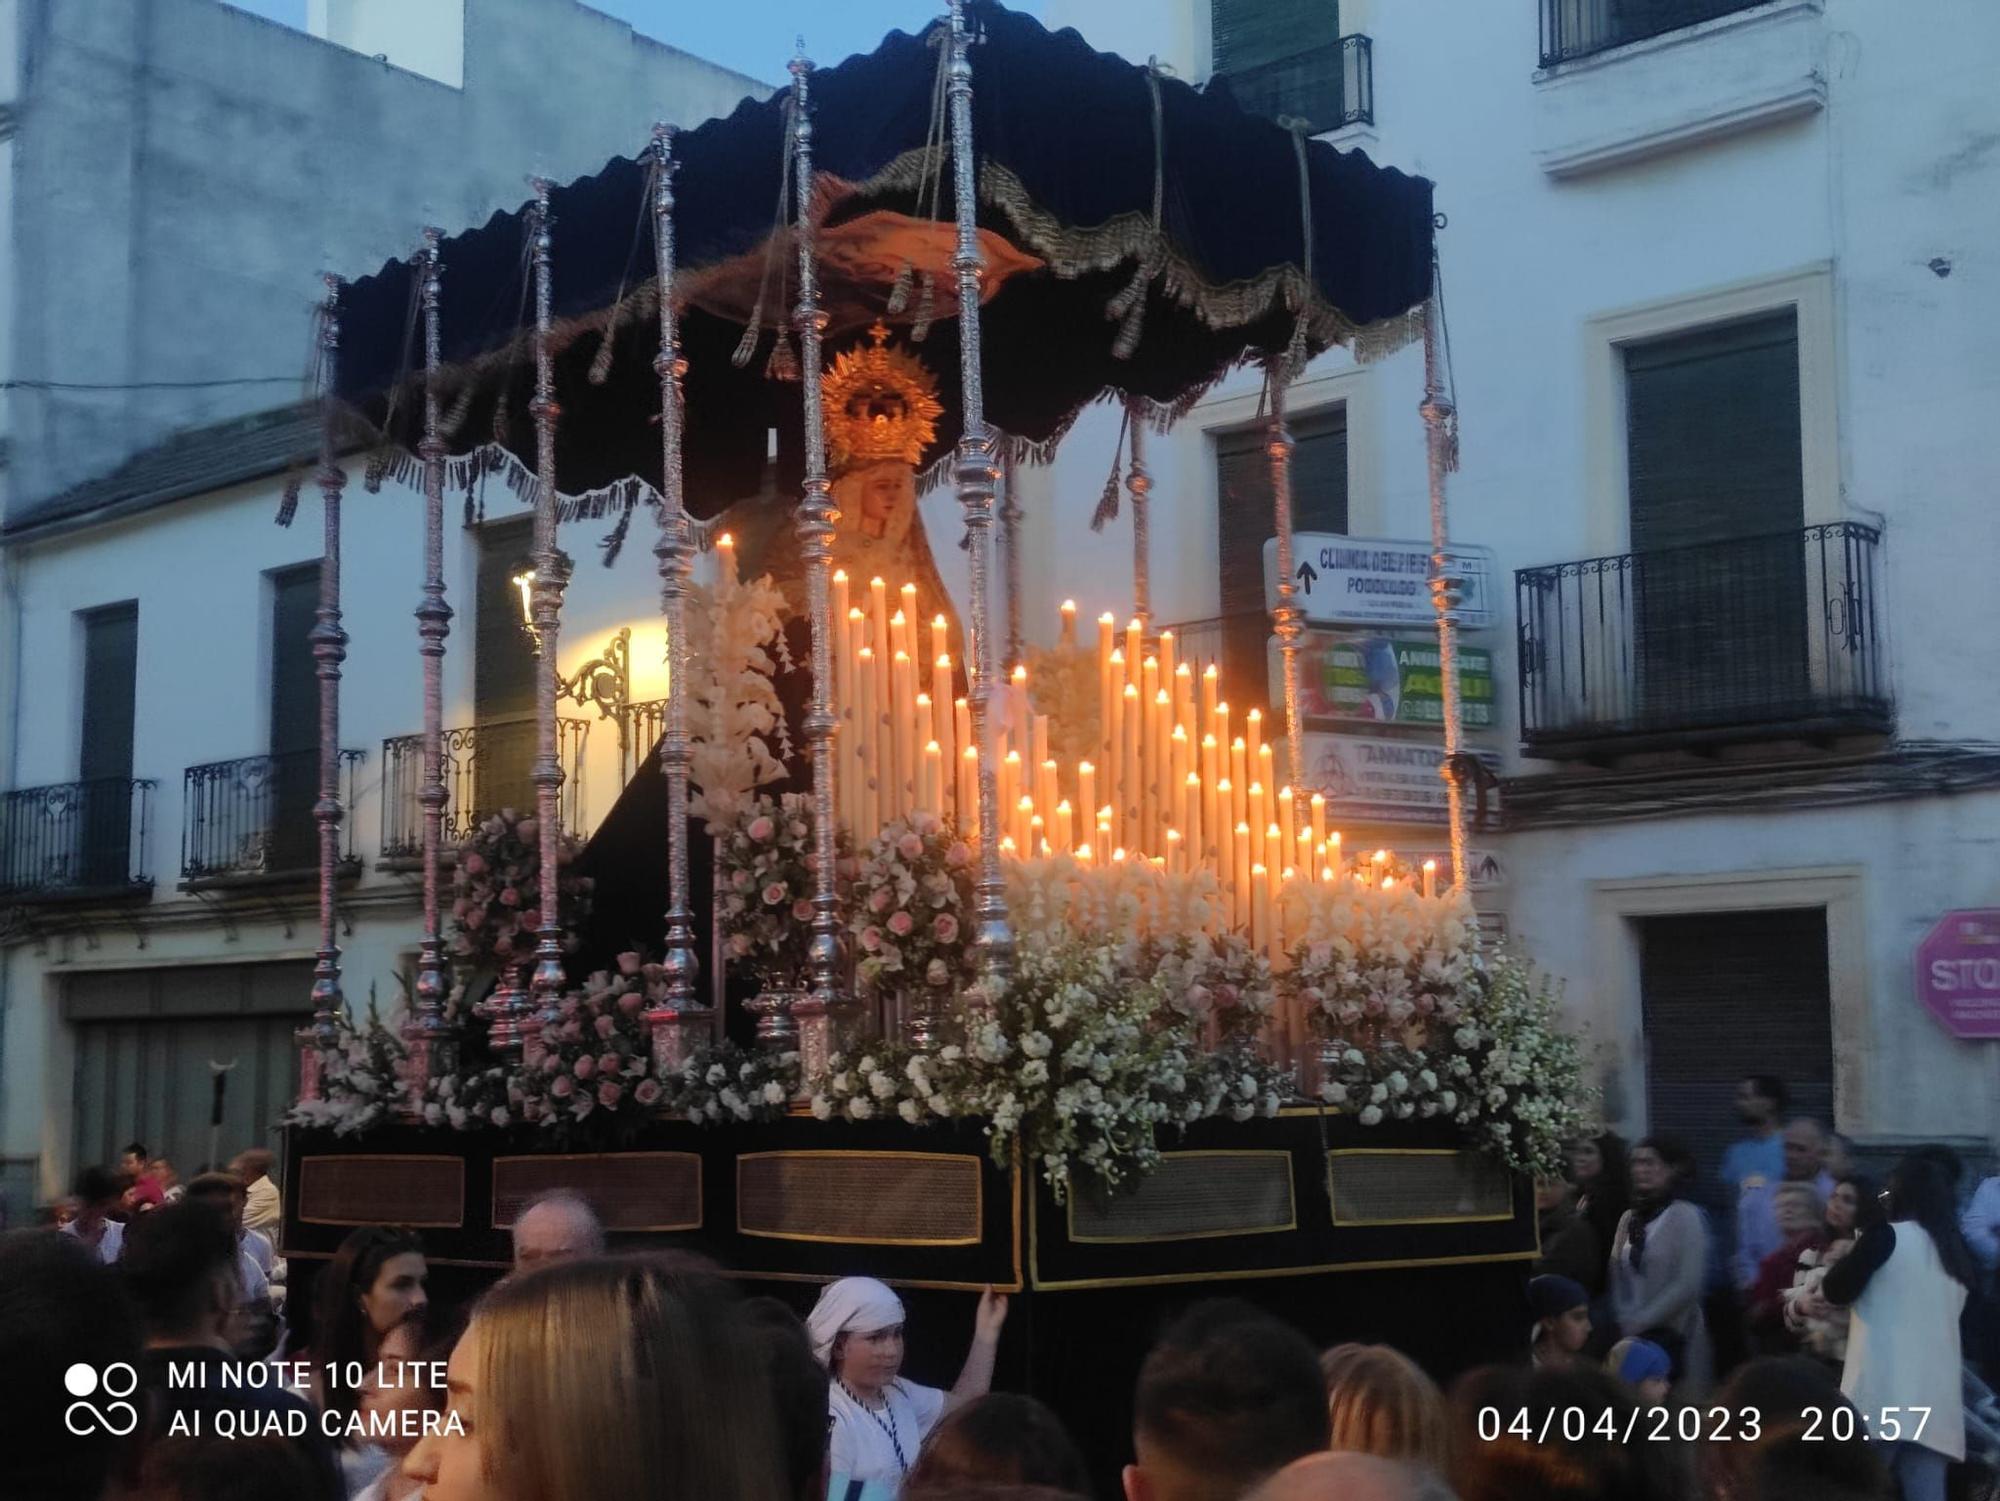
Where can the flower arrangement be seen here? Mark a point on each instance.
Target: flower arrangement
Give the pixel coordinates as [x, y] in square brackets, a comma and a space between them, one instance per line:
[1378, 965]
[911, 906]
[736, 644]
[360, 1077]
[1075, 1065]
[1134, 899]
[593, 1062]
[721, 1082]
[497, 889]
[764, 903]
[1525, 1072]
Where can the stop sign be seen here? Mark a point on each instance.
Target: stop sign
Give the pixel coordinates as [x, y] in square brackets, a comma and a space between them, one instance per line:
[1958, 972]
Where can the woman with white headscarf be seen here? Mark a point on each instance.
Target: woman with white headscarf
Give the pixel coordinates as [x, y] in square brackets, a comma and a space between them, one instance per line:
[877, 1419]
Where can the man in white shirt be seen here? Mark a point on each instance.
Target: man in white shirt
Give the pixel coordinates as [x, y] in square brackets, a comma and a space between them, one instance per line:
[97, 1194]
[263, 1210]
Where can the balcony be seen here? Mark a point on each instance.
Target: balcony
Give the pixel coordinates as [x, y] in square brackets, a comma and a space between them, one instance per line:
[1582, 28]
[76, 842]
[1330, 87]
[487, 767]
[249, 822]
[1758, 638]
[642, 724]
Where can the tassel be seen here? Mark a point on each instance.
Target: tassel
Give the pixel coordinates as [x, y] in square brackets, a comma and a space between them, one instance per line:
[600, 365]
[468, 504]
[500, 423]
[288, 506]
[926, 309]
[783, 364]
[616, 539]
[747, 345]
[371, 476]
[1107, 503]
[899, 289]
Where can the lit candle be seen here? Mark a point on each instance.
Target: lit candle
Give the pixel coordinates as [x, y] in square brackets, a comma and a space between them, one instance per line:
[1253, 732]
[1083, 852]
[1333, 851]
[1045, 784]
[1064, 825]
[1037, 834]
[945, 722]
[1007, 845]
[1010, 784]
[1240, 849]
[1260, 911]
[1263, 766]
[933, 775]
[1017, 701]
[1212, 825]
[1132, 786]
[867, 748]
[1240, 770]
[1190, 820]
[940, 647]
[1184, 698]
[1109, 680]
[1068, 622]
[1225, 869]
[1287, 822]
[1211, 700]
[1260, 853]
[1158, 751]
[1135, 642]
[1086, 787]
[1166, 656]
[1211, 772]
[878, 638]
[1176, 850]
[725, 552]
[906, 713]
[1179, 764]
[1316, 809]
[922, 730]
[1024, 811]
[907, 607]
[1430, 878]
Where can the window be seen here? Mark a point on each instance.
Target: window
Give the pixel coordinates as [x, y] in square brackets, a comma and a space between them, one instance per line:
[1286, 58]
[503, 672]
[1717, 499]
[1244, 525]
[110, 682]
[294, 740]
[1578, 28]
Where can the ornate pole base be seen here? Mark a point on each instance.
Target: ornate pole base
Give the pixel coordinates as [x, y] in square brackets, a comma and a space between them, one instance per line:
[676, 1032]
[506, 1011]
[773, 1007]
[818, 1035]
[308, 1041]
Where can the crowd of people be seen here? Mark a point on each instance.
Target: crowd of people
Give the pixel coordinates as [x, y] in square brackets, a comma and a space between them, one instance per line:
[584, 1374]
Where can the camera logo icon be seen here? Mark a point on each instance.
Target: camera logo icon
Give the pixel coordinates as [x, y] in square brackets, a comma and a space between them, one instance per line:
[116, 1417]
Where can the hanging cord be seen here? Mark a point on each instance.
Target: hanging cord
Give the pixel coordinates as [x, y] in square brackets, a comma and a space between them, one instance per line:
[1450, 392]
[378, 461]
[747, 346]
[929, 209]
[288, 502]
[932, 168]
[1129, 306]
[600, 365]
[1295, 351]
[1107, 503]
[501, 415]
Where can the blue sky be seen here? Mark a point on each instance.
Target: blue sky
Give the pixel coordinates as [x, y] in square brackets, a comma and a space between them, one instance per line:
[751, 36]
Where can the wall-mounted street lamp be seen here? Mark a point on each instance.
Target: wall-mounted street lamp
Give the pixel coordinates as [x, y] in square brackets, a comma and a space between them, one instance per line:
[605, 680]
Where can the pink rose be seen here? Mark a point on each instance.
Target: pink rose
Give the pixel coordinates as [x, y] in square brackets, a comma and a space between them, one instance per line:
[528, 831]
[609, 1093]
[630, 961]
[1348, 1012]
[503, 945]
[473, 864]
[509, 897]
[802, 910]
[551, 1063]
[572, 1031]
[459, 908]
[936, 973]
[585, 1067]
[1426, 1005]
[958, 854]
[605, 1026]
[631, 1002]
[761, 829]
[774, 894]
[648, 1093]
[561, 1087]
[1374, 1006]
[871, 939]
[739, 944]
[910, 846]
[900, 924]
[798, 829]
[879, 899]
[944, 928]
[477, 917]
[609, 1063]
[742, 880]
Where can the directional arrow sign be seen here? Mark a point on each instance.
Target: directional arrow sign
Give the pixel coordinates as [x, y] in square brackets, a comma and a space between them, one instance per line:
[1377, 581]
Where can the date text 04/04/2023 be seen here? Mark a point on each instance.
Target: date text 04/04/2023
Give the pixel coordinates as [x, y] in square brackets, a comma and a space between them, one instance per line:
[1696, 1424]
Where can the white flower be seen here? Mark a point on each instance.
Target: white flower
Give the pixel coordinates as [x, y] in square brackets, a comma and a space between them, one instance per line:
[860, 1109]
[1398, 1083]
[910, 1111]
[774, 1093]
[433, 1114]
[951, 1053]
[1333, 1093]
[1034, 1072]
[822, 1107]
[1371, 1116]
[881, 1086]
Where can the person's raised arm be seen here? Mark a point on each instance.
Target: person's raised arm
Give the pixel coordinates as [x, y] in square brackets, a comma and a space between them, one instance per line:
[975, 1379]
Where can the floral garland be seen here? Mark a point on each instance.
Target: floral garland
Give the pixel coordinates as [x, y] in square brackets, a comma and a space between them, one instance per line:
[497, 890]
[764, 905]
[360, 1077]
[722, 1082]
[594, 1059]
[736, 643]
[1379, 964]
[912, 894]
[1079, 1065]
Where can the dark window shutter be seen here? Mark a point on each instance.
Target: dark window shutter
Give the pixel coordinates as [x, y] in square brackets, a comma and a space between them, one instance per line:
[503, 672]
[110, 682]
[1280, 57]
[294, 742]
[1244, 525]
[1718, 504]
[1726, 994]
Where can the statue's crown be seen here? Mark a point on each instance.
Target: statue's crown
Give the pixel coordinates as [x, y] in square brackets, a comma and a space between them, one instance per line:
[881, 403]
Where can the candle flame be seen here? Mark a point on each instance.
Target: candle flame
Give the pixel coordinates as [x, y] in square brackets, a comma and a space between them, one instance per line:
[1194, 779]
[1085, 766]
[1068, 605]
[1063, 809]
[840, 575]
[1020, 674]
[725, 540]
[1388, 883]
[1182, 670]
[1430, 866]
[1132, 692]
[932, 748]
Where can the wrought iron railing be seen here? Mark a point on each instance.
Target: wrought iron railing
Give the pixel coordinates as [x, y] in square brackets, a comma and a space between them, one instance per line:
[76, 839]
[487, 767]
[1581, 28]
[1773, 634]
[253, 817]
[639, 734]
[1329, 86]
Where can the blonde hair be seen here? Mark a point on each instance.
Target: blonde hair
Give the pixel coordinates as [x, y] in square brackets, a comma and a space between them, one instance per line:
[602, 1377]
[1381, 1403]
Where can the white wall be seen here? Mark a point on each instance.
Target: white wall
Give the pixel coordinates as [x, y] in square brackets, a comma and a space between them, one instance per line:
[428, 38]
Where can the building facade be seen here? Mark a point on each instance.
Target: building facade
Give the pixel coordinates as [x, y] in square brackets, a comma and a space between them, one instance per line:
[177, 173]
[1713, 276]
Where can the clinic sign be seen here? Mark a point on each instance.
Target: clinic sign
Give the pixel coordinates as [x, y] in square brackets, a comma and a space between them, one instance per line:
[1396, 781]
[1376, 581]
[1386, 678]
[1958, 973]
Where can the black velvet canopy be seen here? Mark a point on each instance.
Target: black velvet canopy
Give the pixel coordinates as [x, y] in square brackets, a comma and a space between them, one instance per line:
[1066, 138]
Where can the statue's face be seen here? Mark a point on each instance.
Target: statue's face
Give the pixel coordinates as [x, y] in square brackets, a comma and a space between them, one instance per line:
[878, 502]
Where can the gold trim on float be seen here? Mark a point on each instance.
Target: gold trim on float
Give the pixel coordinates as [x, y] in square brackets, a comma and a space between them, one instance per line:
[978, 1199]
[700, 1186]
[1291, 1197]
[1333, 1209]
[459, 1162]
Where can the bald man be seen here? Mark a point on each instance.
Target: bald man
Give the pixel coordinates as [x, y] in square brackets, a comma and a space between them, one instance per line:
[1351, 1477]
[556, 1226]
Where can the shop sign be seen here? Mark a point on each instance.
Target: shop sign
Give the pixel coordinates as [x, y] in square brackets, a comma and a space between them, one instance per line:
[1386, 678]
[1371, 776]
[1376, 581]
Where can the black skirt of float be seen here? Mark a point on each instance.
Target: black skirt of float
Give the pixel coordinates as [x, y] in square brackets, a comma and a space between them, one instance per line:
[1262, 1211]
